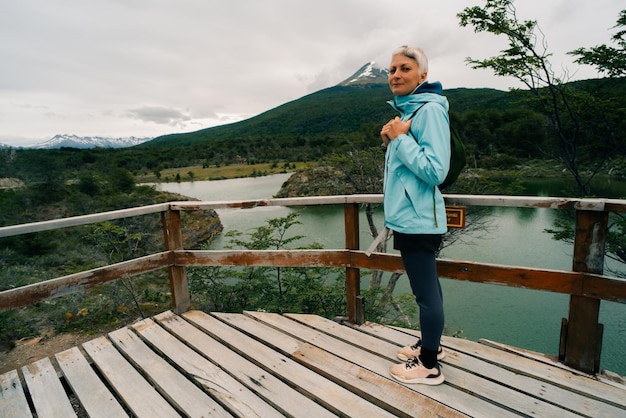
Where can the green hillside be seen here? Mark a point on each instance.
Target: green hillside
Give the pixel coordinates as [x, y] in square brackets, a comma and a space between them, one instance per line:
[332, 111]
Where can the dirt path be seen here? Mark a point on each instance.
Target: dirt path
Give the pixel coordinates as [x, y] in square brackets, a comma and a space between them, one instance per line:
[29, 351]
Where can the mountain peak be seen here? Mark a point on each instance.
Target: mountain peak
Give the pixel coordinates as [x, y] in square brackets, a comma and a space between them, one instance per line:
[370, 73]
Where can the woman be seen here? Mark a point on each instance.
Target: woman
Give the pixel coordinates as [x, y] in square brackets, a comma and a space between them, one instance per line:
[417, 146]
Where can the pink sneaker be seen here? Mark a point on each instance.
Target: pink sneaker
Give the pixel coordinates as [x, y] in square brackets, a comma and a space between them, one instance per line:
[413, 371]
[410, 351]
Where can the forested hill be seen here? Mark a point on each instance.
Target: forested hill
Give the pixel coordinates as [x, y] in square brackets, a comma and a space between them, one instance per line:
[342, 118]
[329, 112]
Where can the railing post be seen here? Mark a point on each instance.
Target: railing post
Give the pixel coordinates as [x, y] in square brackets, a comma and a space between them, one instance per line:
[173, 236]
[354, 301]
[583, 333]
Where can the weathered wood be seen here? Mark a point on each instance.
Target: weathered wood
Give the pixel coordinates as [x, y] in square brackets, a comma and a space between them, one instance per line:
[482, 388]
[277, 393]
[8, 231]
[570, 379]
[616, 205]
[93, 395]
[582, 349]
[353, 275]
[600, 204]
[602, 287]
[379, 363]
[173, 235]
[325, 392]
[46, 390]
[559, 281]
[237, 398]
[278, 258]
[13, 403]
[79, 282]
[397, 399]
[264, 364]
[136, 393]
[173, 386]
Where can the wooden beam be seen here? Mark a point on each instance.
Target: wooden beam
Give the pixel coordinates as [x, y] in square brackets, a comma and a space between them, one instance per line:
[583, 340]
[559, 281]
[354, 312]
[79, 282]
[29, 228]
[277, 258]
[172, 233]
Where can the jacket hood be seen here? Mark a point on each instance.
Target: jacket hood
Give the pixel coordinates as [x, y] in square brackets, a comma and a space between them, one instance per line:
[424, 93]
[427, 87]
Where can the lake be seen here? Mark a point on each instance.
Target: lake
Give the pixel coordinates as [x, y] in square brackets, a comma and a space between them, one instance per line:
[523, 318]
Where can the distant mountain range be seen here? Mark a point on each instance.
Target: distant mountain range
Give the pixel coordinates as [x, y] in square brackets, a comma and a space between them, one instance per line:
[370, 73]
[86, 142]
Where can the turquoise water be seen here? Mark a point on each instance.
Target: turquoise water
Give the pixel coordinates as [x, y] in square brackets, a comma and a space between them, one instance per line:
[523, 318]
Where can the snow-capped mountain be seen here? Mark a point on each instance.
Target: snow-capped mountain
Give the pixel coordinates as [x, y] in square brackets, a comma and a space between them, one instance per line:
[84, 142]
[370, 73]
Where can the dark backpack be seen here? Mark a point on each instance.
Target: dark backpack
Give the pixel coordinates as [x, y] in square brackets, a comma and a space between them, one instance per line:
[457, 156]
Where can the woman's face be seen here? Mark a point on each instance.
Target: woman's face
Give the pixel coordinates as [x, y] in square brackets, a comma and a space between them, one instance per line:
[404, 75]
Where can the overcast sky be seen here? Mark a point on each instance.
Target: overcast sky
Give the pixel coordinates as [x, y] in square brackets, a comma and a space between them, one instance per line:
[151, 67]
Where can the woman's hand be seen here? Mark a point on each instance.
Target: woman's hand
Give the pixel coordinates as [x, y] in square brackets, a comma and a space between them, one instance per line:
[393, 128]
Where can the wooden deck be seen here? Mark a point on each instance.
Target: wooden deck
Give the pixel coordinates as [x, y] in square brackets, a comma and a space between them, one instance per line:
[264, 365]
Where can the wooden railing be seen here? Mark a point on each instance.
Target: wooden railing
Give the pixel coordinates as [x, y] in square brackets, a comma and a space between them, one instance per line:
[581, 334]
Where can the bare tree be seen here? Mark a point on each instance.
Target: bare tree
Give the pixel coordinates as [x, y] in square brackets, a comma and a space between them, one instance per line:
[576, 115]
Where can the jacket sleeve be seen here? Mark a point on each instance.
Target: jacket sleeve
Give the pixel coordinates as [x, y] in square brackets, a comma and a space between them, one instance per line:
[426, 151]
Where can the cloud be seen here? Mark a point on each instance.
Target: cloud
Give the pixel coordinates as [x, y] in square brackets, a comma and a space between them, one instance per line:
[159, 115]
[192, 64]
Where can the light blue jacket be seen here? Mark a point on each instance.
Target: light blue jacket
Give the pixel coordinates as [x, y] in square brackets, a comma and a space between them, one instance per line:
[413, 203]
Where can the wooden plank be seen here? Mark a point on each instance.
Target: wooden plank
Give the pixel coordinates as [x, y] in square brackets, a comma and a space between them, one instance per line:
[445, 394]
[172, 385]
[46, 390]
[576, 382]
[28, 228]
[606, 376]
[273, 390]
[582, 346]
[276, 258]
[92, 393]
[173, 237]
[138, 394]
[13, 403]
[332, 396]
[381, 391]
[353, 275]
[79, 282]
[540, 390]
[236, 397]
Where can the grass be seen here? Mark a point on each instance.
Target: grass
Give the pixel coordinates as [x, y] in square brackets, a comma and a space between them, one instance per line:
[192, 173]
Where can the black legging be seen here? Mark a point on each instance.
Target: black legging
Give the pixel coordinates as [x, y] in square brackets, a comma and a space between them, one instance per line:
[421, 267]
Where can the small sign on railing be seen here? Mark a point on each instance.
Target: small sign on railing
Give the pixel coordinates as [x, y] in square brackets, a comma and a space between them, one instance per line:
[455, 216]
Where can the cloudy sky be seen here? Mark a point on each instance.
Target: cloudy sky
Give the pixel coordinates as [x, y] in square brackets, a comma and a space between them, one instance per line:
[151, 67]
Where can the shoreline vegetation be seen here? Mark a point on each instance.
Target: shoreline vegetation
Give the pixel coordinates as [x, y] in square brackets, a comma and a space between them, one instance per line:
[527, 169]
[223, 172]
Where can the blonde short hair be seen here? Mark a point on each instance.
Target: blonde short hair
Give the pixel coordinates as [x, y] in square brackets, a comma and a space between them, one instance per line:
[415, 54]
